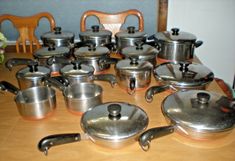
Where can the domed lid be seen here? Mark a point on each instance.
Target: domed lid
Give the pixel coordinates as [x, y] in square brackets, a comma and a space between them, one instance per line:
[46, 52]
[95, 32]
[58, 34]
[130, 33]
[91, 51]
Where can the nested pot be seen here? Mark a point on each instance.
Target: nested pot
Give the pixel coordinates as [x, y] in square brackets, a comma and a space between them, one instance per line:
[92, 55]
[29, 76]
[133, 74]
[58, 37]
[111, 125]
[176, 45]
[129, 37]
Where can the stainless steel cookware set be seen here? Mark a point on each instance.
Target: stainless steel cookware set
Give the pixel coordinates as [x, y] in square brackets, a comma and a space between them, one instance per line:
[190, 109]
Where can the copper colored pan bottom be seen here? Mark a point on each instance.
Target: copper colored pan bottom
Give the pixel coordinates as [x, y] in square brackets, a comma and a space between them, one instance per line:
[76, 112]
[41, 118]
[160, 60]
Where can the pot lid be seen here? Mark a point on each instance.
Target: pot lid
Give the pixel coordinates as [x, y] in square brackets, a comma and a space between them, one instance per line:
[114, 121]
[76, 70]
[200, 110]
[46, 52]
[130, 33]
[96, 32]
[57, 34]
[33, 72]
[175, 35]
[133, 64]
[91, 51]
[183, 74]
[140, 49]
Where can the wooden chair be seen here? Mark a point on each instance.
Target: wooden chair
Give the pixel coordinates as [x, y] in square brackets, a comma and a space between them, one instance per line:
[112, 21]
[26, 27]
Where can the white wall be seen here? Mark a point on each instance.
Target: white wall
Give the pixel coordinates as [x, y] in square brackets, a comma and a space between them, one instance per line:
[213, 22]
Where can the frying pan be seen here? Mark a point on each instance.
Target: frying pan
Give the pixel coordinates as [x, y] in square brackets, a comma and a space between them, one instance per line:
[197, 114]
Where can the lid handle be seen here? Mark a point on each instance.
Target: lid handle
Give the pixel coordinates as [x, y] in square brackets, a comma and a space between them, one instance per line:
[175, 31]
[51, 47]
[114, 111]
[95, 28]
[77, 64]
[184, 67]
[91, 47]
[57, 30]
[203, 98]
[139, 45]
[131, 29]
[134, 60]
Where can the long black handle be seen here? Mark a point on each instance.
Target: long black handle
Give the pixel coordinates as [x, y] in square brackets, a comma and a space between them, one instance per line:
[154, 90]
[6, 86]
[58, 139]
[146, 137]
[19, 61]
[106, 77]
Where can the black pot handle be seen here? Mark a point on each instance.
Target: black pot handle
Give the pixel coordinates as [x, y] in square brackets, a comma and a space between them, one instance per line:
[154, 90]
[58, 139]
[153, 133]
[131, 89]
[107, 61]
[198, 43]
[55, 82]
[20, 61]
[6, 86]
[106, 77]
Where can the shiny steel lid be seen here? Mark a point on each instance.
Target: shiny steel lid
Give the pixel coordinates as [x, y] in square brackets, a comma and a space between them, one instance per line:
[175, 36]
[183, 74]
[200, 110]
[114, 121]
[140, 50]
[46, 52]
[133, 64]
[58, 34]
[91, 51]
[77, 70]
[130, 33]
[33, 72]
[95, 32]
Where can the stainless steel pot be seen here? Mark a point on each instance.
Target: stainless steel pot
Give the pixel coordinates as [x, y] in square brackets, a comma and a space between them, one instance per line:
[58, 37]
[142, 52]
[179, 76]
[133, 74]
[32, 103]
[79, 97]
[28, 76]
[100, 37]
[112, 124]
[78, 72]
[176, 45]
[197, 114]
[93, 55]
[53, 57]
[129, 37]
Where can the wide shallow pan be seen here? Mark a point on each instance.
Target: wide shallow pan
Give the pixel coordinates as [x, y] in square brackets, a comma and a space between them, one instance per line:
[113, 125]
[196, 114]
[33, 103]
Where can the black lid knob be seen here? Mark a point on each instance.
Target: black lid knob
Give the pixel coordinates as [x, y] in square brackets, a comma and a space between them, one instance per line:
[114, 111]
[131, 29]
[95, 28]
[175, 31]
[183, 67]
[203, 97]
[57, 30]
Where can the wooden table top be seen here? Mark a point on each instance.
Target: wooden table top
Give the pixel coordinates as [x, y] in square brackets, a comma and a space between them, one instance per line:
[19, 137]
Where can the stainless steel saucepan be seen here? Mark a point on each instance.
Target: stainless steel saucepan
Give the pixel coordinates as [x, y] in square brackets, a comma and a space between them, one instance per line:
[33, 103]
[197, 114]
[112, 125]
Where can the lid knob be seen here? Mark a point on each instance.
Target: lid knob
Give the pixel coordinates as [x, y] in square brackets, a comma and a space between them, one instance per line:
[76, 64]
[183, 67]
[91, 47]
[139, 45]
[114, 111]
[57, 30]
[203, 97]
[33, 66]
[131, 29]
[134, 60]
[51, 46]
[175, 31]
[95, 28]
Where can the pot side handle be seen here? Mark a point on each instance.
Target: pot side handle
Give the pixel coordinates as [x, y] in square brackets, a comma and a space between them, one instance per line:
[154, 90]
[198, 43]
[153, 133]
[106, 77]
[6, 86]
[19, 61]
[58, 139]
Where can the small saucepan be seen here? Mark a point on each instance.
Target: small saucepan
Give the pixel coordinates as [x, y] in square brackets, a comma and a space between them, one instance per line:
[112, 125]
[33, 103]
[179, 76]
[78, 97]
[196, 114]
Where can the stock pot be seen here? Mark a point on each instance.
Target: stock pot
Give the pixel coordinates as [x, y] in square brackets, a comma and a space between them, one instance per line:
[33, 103]
[58, 37]
[176, 45]
[179, 76]
[29, 76]
[197, 114]
[133, 74]
[113, 125]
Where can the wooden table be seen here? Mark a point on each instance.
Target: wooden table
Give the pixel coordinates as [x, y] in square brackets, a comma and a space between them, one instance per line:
[19, 137]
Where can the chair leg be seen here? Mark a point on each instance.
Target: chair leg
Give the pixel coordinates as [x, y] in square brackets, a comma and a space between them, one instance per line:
[31, 47]
[17, 46]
